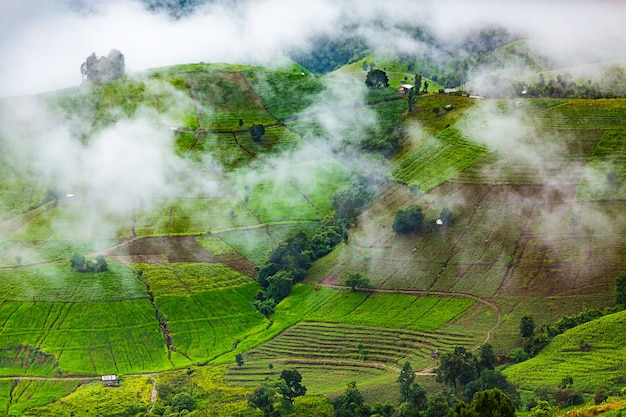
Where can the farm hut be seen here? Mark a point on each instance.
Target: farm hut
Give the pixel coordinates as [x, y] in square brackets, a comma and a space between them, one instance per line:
[435, 354]
[405, 88]
[110, 380]
[448, 107]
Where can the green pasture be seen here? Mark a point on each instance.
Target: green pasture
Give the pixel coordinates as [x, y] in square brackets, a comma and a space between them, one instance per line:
[223, 98]
[132, 397]
[56, 282]
[28, 394]
[583, 114]
[86, 338]
[427, 161]
[35, 251]
[284, 95]
[18, 194]
[188, 278]
[207, 324]
[601, 367]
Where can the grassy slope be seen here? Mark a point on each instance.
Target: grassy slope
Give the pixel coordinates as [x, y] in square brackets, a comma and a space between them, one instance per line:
[601, 367]
[193, 309]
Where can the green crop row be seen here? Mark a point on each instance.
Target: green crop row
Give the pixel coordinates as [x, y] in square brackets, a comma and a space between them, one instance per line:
[87, 338]
[188, 278]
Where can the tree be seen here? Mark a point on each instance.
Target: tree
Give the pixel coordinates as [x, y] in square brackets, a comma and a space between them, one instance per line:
[293, 383]
[263, 399]
[101, 264]
[527, 326]
[493, 403]
[377, 78]
[437, 406]
[257, 131]
[279, 286]
[457, 368]
[357, 280]
[486, 357]
[406, 378]
[620, 289]
[409, 220]
[491, 379]
[104, 69]
[239, 359]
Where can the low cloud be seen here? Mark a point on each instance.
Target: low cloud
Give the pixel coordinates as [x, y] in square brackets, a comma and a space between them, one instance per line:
[44, 42]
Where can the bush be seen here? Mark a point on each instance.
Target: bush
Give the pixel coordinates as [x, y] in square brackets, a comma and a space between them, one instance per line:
[409, 220]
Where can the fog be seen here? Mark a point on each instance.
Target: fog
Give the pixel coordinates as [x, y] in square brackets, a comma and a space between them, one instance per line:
[43, 42]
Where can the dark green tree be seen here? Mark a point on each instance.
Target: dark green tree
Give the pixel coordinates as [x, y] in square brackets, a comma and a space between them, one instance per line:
[527, 326]
[357, 280]
[486, 357]
[462, 409]
[77, 262]
[293, 383]
[239, 359]
[437, 406]
[489, 379]
[101, 264]
[263, 399]
[620, 289]
[457, 368]
[406, 378]
[350, 403]
[409, 220]
[279, 286]
[377, 78]
[257, 131]
[493, 403]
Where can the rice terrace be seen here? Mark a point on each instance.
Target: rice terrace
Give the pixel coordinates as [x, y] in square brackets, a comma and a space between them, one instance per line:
[357, 229]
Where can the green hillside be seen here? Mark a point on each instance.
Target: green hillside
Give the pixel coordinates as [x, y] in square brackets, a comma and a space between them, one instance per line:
[600, 367]
[535, 188]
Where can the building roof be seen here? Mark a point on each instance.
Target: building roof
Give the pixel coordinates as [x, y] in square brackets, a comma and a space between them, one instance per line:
[109, 377]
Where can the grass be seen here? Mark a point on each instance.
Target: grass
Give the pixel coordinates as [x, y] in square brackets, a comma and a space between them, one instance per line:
[210, 323]
[29, 394]
[426, 162]
[56, 282]
[188, 278]
[601, 367]
[132, 397]
[285, 95]
[224, 98]
[87, 338]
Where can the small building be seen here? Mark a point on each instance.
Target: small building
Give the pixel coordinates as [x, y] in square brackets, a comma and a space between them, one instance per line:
[448, 107]
[435, 354]
[404, 88]
[110, 380]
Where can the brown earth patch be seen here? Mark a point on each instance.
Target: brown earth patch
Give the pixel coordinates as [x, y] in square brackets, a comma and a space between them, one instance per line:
[329, 280]
[161, 249]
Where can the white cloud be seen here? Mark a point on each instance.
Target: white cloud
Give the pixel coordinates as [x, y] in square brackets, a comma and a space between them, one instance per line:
[43, 42]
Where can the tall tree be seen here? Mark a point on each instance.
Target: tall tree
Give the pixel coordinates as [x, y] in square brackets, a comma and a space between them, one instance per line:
[527, 326]
[293, 383]
[457, 368]
[406, 378]
[493, 403]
